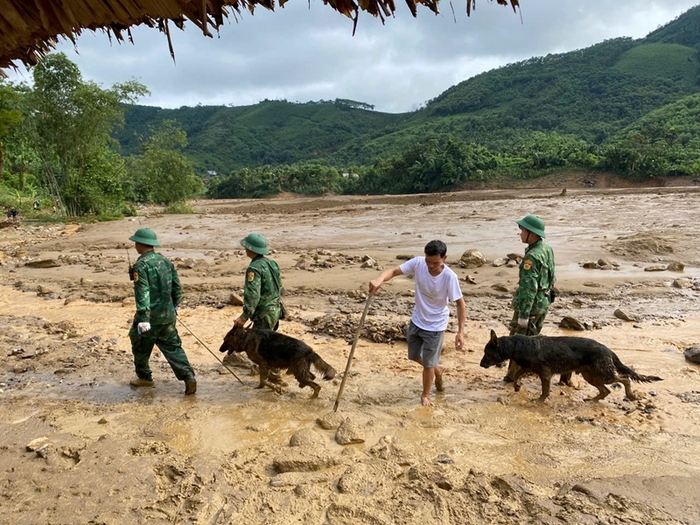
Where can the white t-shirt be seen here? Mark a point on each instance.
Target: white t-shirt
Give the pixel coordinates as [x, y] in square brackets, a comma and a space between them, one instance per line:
[433, 294]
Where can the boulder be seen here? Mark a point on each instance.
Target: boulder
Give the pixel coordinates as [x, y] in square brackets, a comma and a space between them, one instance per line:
[472, 259]
[692, 354]
[43, 263]
[349, 433]
[675, 266]
[569, 323]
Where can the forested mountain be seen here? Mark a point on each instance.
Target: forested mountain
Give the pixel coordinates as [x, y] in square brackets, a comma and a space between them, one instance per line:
[271, 132]
[591, 94]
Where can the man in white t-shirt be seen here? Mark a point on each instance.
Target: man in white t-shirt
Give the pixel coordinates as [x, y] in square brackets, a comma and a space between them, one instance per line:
[436, 287]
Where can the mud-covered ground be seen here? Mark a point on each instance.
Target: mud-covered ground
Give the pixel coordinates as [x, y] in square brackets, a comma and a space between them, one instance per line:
[78, 445]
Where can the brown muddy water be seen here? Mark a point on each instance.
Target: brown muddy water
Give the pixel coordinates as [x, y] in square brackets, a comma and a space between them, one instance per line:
[481, 454]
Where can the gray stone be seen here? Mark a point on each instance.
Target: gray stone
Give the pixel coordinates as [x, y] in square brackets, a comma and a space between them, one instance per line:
[622, 315]
[472, 259]
[330, 421]
[235, 299]
[569, 323]
[349, 433]
[675, 266]
[692, 354]
[43, 263]
[36, 444]
[307, 437]
[682, 283]
[43, 290]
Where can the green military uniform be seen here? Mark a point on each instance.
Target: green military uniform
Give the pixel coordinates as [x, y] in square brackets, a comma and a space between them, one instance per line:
[531, 301]
[158, 291]
[261, 297]
[535, 283]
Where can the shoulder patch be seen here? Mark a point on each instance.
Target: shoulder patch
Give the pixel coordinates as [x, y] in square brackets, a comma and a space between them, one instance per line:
[527, 265]
[136, 276]
[251, 277]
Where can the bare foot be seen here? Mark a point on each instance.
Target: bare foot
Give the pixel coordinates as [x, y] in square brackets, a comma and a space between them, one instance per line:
[438, 378]
[425, 401]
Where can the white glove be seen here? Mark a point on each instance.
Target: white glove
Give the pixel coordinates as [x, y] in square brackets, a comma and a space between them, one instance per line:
[522, 323]
[142, 328]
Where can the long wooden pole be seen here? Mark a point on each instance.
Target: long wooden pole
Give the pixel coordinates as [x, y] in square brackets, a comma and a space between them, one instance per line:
[352, 352]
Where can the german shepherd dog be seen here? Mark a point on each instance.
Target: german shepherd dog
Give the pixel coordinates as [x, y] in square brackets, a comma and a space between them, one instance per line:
[270, 349]
[546, 356]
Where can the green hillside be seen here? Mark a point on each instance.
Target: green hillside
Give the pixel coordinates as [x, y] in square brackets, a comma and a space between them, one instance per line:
[590, 94]
[684, 30]
[272, 132]
[679, 120]
[664, 61]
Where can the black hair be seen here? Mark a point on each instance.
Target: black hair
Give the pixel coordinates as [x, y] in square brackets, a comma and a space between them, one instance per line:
[435, 248]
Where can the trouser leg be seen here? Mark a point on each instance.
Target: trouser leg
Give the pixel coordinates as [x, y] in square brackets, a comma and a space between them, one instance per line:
[141, 348]
[170, 345]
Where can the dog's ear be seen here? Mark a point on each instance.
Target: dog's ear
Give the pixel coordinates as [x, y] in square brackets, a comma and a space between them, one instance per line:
[494, 338]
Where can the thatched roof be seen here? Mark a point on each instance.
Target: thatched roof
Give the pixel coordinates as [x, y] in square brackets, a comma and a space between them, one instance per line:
[29, 28]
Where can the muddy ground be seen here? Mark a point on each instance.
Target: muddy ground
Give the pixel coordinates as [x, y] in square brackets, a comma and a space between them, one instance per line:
[78, 445]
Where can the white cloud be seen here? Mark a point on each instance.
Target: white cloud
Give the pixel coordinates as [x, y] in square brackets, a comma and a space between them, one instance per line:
[303, 53]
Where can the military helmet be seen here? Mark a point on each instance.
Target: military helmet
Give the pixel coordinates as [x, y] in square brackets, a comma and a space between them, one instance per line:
[256, 243]
[145, 236]
[534, 224]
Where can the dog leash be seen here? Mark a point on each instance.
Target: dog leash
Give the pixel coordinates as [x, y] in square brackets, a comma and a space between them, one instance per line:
[352, 351]
[212, 353]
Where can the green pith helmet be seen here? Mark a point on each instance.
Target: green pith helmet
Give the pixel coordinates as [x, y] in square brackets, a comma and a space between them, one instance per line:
[533, 224]
[256, 243]
[145, 236]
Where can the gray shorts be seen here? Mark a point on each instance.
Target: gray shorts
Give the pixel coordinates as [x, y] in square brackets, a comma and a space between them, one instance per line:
[424, 345]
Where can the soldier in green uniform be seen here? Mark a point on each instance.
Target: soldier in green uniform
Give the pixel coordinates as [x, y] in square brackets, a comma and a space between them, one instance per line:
[532, 299]
[263, 285]
[158, 292]
[261, 296]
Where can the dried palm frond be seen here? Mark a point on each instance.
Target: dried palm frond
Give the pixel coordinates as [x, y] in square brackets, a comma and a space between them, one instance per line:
[29, 28]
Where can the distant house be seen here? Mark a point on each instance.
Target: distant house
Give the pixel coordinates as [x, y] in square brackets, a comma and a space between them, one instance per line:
[211, 173]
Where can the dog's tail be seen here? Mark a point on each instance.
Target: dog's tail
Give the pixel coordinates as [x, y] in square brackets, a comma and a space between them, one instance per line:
[319, 364]
[626, 371]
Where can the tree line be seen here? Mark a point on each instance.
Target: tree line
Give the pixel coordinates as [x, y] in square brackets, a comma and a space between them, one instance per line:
[651, 149]
[56, 146]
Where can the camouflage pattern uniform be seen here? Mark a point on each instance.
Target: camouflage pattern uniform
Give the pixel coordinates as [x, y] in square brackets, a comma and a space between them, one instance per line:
[531, 301]
[261, 297]
[158, 291]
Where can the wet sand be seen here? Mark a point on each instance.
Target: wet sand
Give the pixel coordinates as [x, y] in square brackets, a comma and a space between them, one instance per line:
[481, 454]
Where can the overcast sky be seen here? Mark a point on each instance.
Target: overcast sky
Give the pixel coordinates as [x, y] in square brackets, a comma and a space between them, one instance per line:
[306, 51]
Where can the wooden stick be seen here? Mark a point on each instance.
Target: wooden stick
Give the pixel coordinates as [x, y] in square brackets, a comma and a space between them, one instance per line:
[352, 351]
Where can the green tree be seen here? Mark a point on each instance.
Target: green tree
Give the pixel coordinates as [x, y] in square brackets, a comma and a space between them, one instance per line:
[72, 123]
[162, 173]
[10, 116]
